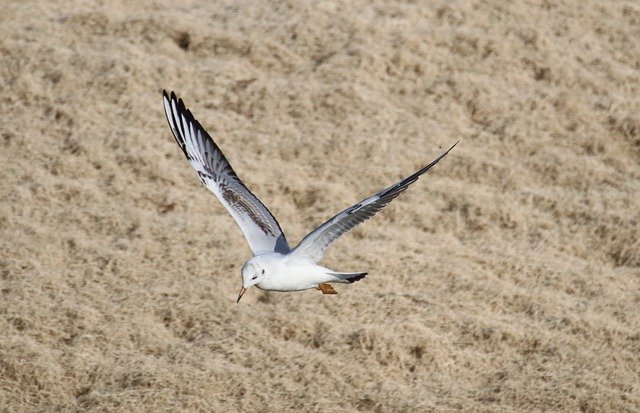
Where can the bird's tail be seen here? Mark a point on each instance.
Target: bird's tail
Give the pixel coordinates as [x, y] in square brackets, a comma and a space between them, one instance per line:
[349, 277]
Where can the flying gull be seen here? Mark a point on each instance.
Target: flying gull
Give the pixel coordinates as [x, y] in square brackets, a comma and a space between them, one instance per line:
[274, 265]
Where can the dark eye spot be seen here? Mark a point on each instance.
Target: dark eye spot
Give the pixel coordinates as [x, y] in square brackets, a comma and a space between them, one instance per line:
[263, 271]
[254, 277]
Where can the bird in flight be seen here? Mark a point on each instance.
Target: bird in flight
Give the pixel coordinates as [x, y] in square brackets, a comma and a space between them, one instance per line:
[274, 265]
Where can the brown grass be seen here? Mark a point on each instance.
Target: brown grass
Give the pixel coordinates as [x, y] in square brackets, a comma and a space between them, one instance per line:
[507, 279]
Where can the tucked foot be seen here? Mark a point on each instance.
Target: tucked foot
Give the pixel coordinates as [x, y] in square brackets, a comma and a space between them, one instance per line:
[326, 288]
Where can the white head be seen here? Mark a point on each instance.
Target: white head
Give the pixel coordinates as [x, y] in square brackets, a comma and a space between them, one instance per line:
[252, 273]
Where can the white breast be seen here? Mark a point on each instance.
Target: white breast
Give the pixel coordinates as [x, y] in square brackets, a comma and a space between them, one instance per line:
[285, 275]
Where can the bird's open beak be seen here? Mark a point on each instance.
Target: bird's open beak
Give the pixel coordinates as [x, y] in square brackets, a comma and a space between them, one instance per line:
[242, 290]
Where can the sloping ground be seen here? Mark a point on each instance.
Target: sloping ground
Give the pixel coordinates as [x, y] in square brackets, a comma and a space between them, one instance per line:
[506, 279]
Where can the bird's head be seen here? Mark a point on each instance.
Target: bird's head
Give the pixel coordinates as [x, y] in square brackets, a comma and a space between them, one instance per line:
[252, 273]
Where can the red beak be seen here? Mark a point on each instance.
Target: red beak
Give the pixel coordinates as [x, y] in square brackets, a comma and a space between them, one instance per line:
[242, 290]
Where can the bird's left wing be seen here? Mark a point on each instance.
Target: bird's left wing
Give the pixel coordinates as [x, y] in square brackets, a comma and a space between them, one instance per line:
[313, 245]
[260, 228]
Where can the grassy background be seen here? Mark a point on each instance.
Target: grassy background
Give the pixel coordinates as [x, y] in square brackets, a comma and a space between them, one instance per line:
[506, 279]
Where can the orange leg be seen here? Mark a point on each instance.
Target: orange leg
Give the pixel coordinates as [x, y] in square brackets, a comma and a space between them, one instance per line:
[326, 288]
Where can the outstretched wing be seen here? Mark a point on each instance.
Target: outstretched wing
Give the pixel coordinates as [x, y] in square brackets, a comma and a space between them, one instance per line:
[260, 228]
[313, 245]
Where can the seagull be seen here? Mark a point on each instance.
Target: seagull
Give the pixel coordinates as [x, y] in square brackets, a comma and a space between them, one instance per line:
[274, 265]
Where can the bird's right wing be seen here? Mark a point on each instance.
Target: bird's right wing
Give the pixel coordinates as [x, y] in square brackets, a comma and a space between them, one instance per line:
[258, 225]
[313, 245]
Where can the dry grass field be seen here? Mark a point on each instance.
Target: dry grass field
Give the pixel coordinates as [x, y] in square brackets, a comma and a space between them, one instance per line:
[506, 279]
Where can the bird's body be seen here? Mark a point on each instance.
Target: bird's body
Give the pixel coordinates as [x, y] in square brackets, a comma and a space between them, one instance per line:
[284, 272]
[274, 265]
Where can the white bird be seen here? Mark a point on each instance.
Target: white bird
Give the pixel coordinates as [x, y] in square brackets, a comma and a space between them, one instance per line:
[274, 265]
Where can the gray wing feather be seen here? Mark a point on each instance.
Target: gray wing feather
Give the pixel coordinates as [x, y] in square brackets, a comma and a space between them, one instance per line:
[313, 245]
[260, 228]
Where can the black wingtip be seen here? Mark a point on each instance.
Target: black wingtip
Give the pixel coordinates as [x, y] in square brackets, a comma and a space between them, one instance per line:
[404, 184]
[435, 161]
[448, 150]
[169, 96]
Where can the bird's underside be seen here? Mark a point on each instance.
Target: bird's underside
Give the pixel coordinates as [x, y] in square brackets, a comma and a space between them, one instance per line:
[260, 228]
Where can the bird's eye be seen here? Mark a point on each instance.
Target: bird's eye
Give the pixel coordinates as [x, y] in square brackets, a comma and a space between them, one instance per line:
[254, 277]
[263, 271]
